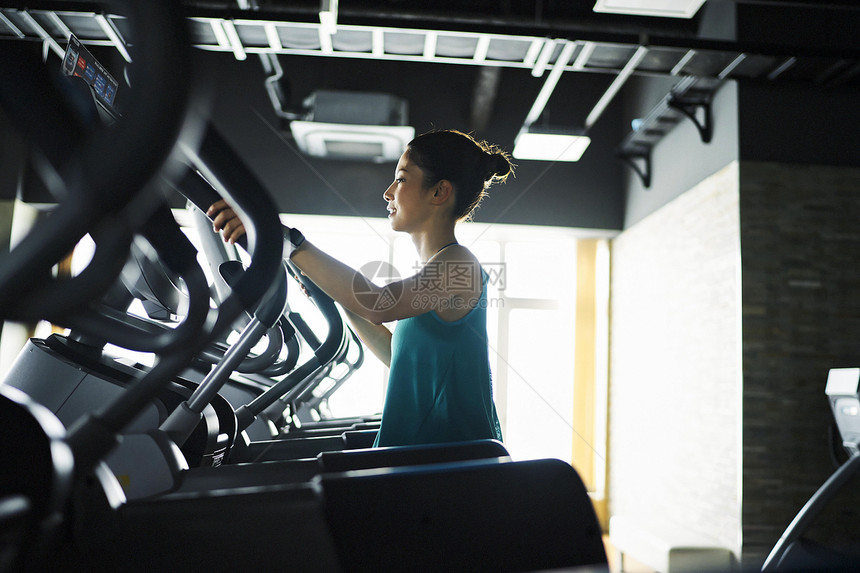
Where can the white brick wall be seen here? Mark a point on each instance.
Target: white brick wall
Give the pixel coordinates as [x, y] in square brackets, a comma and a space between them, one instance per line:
[675, 364]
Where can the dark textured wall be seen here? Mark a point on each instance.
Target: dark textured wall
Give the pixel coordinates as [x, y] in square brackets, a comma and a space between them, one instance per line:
[801, 316]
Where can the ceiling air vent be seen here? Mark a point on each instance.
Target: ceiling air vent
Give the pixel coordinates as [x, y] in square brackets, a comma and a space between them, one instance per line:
[353, 125]
[665, 8]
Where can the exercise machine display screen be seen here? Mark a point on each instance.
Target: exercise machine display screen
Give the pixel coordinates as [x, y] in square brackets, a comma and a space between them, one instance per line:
[79, 62]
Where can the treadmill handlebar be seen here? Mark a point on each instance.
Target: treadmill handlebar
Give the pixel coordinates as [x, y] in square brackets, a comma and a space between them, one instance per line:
[323, 354]
[324, 303]
[227, 173]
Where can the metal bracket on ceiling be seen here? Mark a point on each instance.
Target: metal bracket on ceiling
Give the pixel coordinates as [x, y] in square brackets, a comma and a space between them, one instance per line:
[640, 161]
[686, 98]
[689, 106]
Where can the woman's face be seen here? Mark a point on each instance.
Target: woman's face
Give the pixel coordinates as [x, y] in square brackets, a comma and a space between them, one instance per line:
[406, 195]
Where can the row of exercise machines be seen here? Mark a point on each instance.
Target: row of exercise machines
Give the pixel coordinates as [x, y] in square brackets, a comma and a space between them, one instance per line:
[213, 455]
[196, 459]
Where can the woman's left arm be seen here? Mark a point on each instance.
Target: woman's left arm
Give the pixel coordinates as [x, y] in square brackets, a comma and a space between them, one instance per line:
[449, 284]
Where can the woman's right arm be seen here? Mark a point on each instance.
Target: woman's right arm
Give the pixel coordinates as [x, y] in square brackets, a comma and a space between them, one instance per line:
[376, 337]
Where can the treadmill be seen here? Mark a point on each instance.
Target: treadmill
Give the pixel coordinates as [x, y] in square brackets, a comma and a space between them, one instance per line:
[824, 536]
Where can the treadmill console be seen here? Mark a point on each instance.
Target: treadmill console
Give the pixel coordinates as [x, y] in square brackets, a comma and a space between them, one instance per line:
[79, 62]
[843, 392]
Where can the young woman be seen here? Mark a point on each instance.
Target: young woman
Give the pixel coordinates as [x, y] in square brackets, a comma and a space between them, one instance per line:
[439, 387]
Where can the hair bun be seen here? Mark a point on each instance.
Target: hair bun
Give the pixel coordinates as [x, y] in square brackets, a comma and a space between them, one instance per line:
[498, 164]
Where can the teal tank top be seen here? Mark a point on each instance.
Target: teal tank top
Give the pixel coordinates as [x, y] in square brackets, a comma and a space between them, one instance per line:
[439, 384]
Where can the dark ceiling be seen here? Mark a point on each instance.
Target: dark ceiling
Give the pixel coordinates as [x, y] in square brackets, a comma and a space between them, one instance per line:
[484, 86]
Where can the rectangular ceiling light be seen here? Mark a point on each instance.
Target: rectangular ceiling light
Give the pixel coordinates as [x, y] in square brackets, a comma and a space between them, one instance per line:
[544, 145]
[664, 8]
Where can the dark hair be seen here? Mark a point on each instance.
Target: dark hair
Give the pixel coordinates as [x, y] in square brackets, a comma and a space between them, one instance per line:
[470, 165]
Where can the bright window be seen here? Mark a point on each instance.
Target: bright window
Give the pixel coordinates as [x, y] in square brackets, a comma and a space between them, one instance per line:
[531, 315]
[540, 383]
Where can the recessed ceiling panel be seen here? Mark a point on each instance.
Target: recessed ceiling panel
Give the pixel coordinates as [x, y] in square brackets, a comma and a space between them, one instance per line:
[508, 50]
[404, 43]
[304, 38]
[352, 41]
[456, 46]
